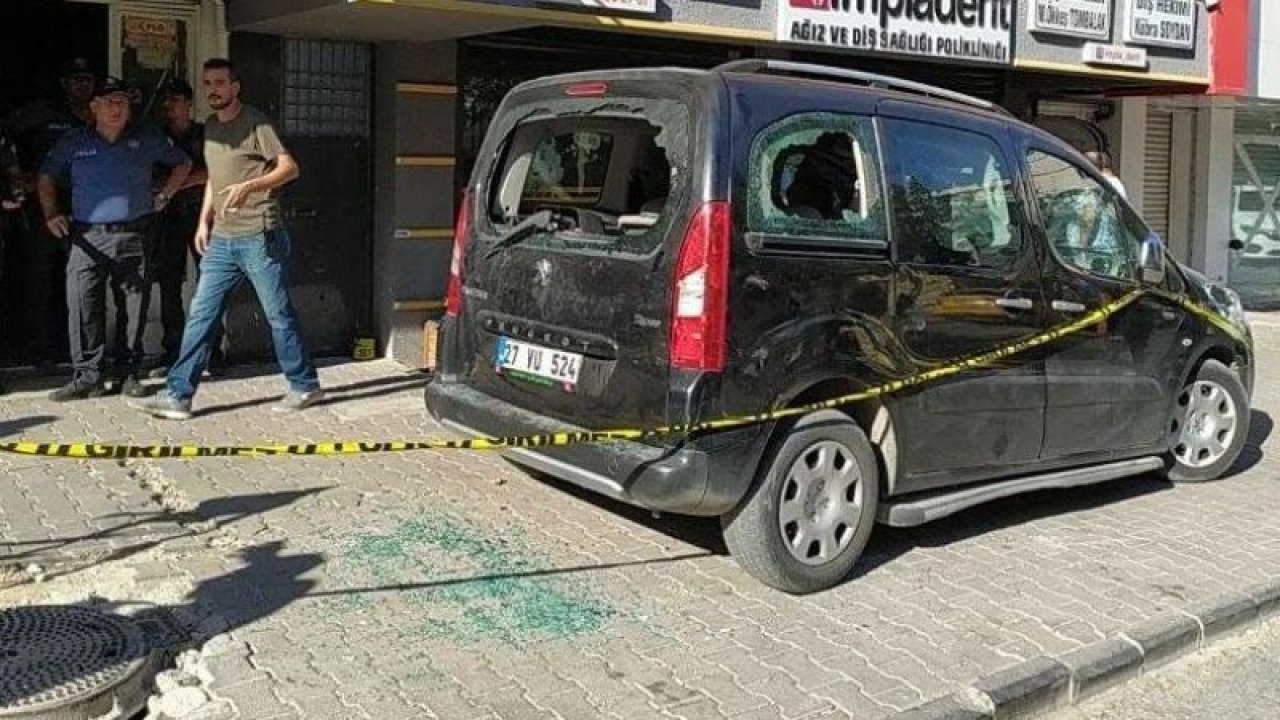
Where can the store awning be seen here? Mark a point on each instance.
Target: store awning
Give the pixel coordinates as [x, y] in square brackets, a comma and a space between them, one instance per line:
[368, 21]
[432, 20]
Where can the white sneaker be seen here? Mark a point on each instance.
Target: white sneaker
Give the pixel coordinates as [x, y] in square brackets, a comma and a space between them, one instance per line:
[163, 405]
[293, 401]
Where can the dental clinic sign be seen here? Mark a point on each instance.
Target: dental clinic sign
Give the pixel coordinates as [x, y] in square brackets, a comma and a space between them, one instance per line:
[1075, 18]
[971, 30]
[1161, 23]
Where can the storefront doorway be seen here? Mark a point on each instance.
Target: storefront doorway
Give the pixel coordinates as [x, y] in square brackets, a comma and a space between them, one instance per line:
[1255, 206]
[38, 39]
[146, 44]
[318, 92]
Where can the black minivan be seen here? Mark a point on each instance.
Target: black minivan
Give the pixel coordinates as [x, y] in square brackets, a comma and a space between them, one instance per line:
[645, 248]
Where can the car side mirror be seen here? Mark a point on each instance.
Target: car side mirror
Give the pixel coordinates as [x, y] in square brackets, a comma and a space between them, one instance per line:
[1151, 260]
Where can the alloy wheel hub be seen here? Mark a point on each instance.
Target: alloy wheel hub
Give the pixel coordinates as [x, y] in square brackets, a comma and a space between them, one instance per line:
[820, 503]
[1204, 424]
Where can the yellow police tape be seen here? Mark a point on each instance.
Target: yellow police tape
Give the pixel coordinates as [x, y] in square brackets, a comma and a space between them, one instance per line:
[561, 439]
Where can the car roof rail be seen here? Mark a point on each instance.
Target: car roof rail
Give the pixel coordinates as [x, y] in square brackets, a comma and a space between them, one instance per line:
[825, 72]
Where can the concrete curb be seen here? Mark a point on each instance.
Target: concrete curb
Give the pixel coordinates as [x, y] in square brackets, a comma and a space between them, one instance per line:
[1041, 684]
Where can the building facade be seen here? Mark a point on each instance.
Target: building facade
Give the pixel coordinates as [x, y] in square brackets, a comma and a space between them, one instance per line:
[1246, 98]
[385, 103]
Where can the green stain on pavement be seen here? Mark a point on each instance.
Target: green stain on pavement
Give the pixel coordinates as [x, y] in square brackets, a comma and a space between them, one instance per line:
[473, 587]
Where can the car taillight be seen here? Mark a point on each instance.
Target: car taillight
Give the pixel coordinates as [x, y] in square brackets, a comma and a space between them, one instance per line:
[699, 291]
[453, 299]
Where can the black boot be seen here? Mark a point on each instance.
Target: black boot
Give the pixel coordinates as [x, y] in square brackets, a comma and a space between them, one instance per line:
[76, 390]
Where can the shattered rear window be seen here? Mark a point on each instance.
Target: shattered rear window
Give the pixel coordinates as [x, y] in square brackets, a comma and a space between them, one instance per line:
[610, 169]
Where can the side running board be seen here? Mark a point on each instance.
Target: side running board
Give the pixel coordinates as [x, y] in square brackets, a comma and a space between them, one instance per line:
[910, 512]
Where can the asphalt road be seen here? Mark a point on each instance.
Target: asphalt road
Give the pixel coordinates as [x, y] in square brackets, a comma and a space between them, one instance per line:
[1238, 679]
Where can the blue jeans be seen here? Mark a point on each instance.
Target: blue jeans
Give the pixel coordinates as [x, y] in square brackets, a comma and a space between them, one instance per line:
[264, 260]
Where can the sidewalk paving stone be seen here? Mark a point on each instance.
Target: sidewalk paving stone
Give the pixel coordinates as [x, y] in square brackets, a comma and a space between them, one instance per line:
[452, 585]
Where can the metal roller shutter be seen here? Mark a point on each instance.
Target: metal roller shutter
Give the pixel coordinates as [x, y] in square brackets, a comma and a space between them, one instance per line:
[1158, 173]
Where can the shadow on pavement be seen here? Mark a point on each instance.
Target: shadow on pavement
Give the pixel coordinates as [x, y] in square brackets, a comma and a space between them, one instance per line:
[889, 543]
[39, 381]
[269, 580]
[20, 425]
[1260, 427]
[701, 532]
[363, 390]
[130, 536]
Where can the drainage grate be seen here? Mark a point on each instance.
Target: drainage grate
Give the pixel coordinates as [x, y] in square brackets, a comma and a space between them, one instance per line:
[55, 658]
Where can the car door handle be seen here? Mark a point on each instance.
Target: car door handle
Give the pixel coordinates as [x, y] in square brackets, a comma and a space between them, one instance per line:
[1067, 306]
[1015, 303]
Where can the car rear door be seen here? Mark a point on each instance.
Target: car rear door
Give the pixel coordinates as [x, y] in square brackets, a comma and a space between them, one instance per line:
[967, 281]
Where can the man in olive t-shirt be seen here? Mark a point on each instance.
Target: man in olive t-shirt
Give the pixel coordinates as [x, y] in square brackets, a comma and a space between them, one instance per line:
[247, 165]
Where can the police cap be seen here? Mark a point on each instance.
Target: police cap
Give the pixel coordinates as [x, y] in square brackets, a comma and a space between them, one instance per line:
[110, 86]
[76, 67]
[177, 87]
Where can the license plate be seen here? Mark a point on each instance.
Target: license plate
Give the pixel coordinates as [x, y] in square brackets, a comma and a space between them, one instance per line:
[538, 363]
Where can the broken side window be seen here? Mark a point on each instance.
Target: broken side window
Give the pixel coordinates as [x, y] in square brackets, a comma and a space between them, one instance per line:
[817, 175]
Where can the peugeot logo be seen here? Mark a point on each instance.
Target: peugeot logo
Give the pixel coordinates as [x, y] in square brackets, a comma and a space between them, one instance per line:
[544, 272]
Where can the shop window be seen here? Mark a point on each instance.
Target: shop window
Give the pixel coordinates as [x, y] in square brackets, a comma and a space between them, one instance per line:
[1255, 207]
[1255, 220]
[326, 88]
[1086, 225]
[816, 175]
[953, 200]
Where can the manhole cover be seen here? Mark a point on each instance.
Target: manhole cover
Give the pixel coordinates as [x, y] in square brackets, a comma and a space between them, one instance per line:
[68, 662]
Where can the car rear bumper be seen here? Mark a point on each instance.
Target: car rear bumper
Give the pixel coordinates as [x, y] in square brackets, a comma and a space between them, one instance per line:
[707, 475]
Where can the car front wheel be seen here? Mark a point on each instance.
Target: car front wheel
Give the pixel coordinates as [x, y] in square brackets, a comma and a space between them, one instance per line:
[1209, 426]
[811, 509]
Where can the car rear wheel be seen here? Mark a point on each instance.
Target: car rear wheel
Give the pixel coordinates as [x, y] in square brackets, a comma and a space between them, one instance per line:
[1209, 425]
[811, 509]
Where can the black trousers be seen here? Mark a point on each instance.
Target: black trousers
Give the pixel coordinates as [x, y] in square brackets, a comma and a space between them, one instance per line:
[112, 255]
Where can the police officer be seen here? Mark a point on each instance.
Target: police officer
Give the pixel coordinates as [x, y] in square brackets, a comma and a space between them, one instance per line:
[110, 169]
[178, 226]
[36, 127]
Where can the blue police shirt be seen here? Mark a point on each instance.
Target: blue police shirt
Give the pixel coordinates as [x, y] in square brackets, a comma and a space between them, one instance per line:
[111, 182]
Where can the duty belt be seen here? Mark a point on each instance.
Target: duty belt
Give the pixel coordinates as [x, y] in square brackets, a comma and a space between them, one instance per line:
[136, 225]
